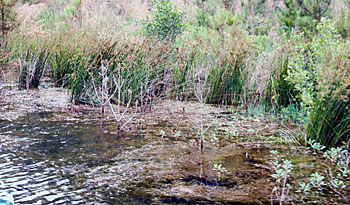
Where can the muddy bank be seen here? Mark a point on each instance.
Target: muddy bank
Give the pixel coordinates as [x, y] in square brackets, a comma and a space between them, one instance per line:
[15, 103]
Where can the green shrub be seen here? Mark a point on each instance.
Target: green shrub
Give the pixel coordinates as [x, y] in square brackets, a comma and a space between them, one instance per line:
[165, 22]
[319, 72]
[303, 15]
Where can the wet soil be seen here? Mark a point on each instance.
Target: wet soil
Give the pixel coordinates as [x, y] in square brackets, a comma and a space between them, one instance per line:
[52, 152]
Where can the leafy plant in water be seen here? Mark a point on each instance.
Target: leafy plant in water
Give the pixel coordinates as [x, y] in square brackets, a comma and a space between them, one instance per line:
[316, 146]
[317, 181]
[336, 184]
[220, 170]
[282, 170]
[304, 188]
[335, 154]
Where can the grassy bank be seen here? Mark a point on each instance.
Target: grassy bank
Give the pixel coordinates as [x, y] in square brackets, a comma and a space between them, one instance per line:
[233, 51]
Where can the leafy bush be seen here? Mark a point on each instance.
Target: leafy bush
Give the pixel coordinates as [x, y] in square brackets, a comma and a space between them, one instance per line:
[319, 72]
[166, 22]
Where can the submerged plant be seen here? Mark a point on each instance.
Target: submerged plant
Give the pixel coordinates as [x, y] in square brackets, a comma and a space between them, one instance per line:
[337, 182]
[317, 180]
[335, 154]
[304, 188]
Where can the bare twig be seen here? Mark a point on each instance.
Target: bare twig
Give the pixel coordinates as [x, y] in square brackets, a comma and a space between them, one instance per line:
[105, 98]
[201, 93]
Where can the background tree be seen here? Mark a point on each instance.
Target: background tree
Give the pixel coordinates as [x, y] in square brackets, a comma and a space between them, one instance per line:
[165, 22]
[302, 14]
[8, 16]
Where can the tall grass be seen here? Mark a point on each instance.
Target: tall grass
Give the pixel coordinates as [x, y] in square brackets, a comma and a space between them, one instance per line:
[144, 66]
[32, 67]
[329, 122]
[237, 64]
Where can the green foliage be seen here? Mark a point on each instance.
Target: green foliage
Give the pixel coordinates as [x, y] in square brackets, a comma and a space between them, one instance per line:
[143, 69]
[319, 72]
[308, 61]
[72, 9]
[225, 81]
[266, 67]
[220, 171]
[166, 22]
[282, 171]
[303, 15]
[317, 181]
[335, 154]
[343, 25]
[316, 146]
[292, 112]
[257, 19]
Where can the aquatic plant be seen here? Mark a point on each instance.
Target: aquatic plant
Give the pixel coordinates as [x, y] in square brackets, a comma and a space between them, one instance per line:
[336, 183]
[33, 64]
[282, 170]
[339, 156]
[220, 170]
[317, 180]
[118, 114]
[316, 146]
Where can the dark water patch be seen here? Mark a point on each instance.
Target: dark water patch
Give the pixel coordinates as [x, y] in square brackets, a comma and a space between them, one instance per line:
[210, 181]
[41, 168]
[182, 200]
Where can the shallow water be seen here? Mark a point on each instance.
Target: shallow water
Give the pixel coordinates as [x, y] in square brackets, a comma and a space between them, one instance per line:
[56, 158]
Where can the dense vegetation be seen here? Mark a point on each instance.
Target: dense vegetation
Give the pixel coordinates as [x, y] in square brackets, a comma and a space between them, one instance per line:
[290, 58]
